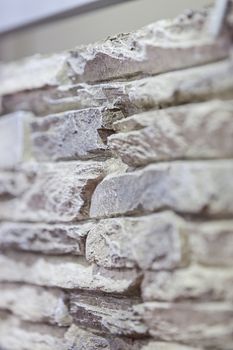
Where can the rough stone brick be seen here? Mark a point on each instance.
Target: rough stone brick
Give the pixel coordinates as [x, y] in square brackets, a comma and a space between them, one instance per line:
[169, 89]
[35, 304]
[50, 192]
[195, 282]
[211, 243]
[204, 324]
[152, 242]
[44, 238]
[159, 241]
[107, 314]
[191, 85]
[55, 99]
[50, 71]
[156, 345]
[18, 335]
[81, 339]
[13, 139]
[12, 184]
[65, 272]
[159, 47]
[72, 135]
[193, 131]
[188, 187]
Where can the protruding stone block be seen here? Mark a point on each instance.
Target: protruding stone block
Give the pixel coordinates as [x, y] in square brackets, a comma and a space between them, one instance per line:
[18, 335]
[157, 345]
[50, 192]
[195, 282]
[107, 314]
[66, 272]
[72, 135]
[35, 304]
[211, 243]
[160, 241]
[34, 72]
[154, 242]
[44, 238]
[160, 47]
[14, 139]
[195, 131]
[82, 339]
[186, 187]
[205, 324]
[190, 85]
[175, 88]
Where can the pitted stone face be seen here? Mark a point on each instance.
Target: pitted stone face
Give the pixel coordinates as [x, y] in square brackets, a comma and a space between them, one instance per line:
[56, 192]
[185, 187]
[191, 131]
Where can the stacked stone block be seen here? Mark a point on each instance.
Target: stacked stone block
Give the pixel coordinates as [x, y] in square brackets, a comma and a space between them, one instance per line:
[116, 193]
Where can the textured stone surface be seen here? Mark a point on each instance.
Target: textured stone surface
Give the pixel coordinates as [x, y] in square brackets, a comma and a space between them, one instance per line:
[107, 314]
[159, 47]
[16, 335]
[196, 324]
[66, 272]
[13, 127]
[195, 282]
[44, 238]
[156, 345]
[188, 187]
[99, 248]
[57, 99]
[212, 243]
[50, 192]
[86, 340]
[83, 340]
[152, 242]
[64, 136]
[191, 85]
[168, 89]
[192, 131]
[159, 241]
[12, 184]
[50, 71]
[35, 304]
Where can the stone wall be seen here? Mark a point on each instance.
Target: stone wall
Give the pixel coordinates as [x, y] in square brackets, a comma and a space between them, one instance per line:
[116, 193]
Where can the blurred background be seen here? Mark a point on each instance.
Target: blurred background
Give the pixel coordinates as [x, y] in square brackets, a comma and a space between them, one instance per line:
[88, 28]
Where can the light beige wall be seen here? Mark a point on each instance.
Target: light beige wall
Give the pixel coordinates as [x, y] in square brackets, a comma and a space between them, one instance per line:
[88, 28]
